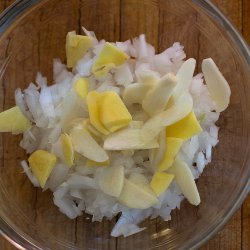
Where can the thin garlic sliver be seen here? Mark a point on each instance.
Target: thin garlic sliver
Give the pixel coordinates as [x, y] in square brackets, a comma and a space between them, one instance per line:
[181, 108]
[85, 145]
[157, 98]
[184, 77]
[217, 85]
[185, 180]
[128, 139]
[135, 93]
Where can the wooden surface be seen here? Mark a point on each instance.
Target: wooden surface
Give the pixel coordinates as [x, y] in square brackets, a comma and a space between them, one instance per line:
[236, 234]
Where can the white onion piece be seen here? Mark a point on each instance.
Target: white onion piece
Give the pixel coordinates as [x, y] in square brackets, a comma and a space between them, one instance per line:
[67, 206]
[60, 72]
[123, 75]
[125, 229]
[127, 223]
[41, 80]
[31, 98]
[46, 102]
[61, 191]
[76, 193]
[145, 50]
[84, 170]
[148, 76]
[54, 134]
[90, 34]
[71, 110]
[19, 98]
[56, 149]
[124, 46]
[57, 177]
[29, 174]
[83, 67]
[217, 85]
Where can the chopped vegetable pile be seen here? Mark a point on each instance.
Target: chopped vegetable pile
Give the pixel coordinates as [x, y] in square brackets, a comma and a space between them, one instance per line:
[125, 132]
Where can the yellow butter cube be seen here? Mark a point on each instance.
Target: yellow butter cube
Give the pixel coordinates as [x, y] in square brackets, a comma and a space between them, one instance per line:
[42, 164]
[173, 146]
[13, 120]
[93, 103]
[67, 148]
[90, 163]
[81, 87]
[160, 182]
[113, 113]
[185, 128]
[109, 57]
[76, 47]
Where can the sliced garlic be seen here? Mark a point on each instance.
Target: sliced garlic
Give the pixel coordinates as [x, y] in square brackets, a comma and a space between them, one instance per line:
[217, 85]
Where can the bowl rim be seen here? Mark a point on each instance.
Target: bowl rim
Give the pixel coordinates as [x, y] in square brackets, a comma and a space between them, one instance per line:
[11, 14]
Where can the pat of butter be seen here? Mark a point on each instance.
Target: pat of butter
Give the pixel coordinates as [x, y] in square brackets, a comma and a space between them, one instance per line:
[113, 113]
[76, 47]
[67, 148]
[160, 182]
[93, 103]
[81, 87]
[42, 164]
[109, 57]
[173, 146]
[107, 112]
[185, 128]
[13, 120]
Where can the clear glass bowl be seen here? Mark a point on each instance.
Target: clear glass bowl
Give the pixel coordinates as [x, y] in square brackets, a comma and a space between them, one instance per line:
[32, 33]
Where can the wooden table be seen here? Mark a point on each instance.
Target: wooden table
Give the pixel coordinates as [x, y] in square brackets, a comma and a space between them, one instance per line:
[236, 234]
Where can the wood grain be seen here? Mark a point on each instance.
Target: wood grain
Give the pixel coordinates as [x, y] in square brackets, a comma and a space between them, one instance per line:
[245, 219]
[246, 20]
[232, 9]
[236, 234]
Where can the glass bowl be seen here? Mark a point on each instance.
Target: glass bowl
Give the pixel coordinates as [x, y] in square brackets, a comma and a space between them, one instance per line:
[32, 33]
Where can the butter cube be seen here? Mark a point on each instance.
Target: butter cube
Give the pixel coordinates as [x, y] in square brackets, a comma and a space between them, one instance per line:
[113, 113]
[42, 164]
[93, 103]
[173, 146]
[67, 148]
[81, 87]
[185, 128]
[109, 57]
[160, 182]
[76, 47]
[13, 120]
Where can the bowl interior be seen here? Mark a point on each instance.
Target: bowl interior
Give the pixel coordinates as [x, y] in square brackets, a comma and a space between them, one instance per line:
[30, 44]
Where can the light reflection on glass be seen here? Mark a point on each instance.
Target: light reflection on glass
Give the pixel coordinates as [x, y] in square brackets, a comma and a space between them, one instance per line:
[161, 233]
[11, 241]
